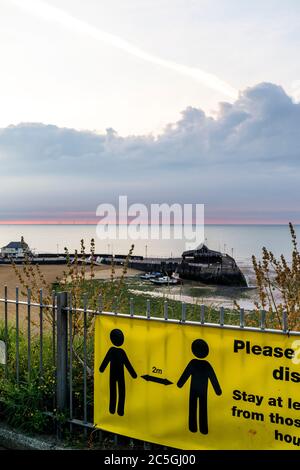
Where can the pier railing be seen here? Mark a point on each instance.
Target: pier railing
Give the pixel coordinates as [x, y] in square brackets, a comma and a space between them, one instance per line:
[39, 337]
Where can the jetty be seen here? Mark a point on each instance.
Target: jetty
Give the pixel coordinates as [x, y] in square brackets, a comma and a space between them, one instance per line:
[202, 265]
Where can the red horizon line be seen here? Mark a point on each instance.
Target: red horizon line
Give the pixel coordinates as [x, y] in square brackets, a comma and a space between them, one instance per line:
[97, 221]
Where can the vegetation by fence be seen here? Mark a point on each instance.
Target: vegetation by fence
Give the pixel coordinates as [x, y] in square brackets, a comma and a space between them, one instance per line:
[47, 379]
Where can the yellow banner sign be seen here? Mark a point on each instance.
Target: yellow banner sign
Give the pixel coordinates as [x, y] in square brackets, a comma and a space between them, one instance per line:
[197, 387]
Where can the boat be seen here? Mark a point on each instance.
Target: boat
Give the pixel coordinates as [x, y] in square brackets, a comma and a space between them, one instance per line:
[201, 265]
[149, 276]
[165, 281]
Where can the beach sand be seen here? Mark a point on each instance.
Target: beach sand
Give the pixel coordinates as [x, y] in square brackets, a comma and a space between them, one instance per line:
[9, 278]
[50, 272]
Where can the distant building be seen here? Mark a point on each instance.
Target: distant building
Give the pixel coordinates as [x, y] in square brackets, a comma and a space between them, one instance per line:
[202, 255]
[15, 250]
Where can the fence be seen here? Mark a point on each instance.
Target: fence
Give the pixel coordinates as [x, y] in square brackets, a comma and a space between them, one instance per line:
[57, 346]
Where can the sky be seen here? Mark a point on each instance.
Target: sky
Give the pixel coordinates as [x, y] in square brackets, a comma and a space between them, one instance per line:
[161, 100]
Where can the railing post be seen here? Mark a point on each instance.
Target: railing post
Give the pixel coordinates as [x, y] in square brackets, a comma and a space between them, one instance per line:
[62, 352]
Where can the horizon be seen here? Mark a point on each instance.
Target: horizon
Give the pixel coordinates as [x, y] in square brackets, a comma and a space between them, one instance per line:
[283, 224]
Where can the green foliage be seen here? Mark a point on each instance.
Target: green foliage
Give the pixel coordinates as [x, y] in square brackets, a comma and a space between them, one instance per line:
[79, 275]
[23, 404]
[278, 284]
[20, 406]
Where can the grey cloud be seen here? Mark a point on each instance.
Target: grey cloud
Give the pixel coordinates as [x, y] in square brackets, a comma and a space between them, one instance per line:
[251, 148]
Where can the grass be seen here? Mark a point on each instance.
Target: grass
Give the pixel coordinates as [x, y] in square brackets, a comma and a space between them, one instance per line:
[23, 404]
[137, 291]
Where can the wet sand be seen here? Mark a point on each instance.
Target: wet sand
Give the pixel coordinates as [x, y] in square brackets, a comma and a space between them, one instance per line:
[104, 272]
[51, 272]
[209, 295]
[9, 278]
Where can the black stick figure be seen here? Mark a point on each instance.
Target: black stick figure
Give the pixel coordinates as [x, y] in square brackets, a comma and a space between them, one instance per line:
[200, 372]
[117, 358]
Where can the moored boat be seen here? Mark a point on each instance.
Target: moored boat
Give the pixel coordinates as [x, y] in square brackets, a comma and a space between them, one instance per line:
[165, 280]
[149, 276]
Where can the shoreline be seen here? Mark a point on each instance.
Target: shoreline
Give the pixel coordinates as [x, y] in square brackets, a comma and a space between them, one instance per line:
[51, 272]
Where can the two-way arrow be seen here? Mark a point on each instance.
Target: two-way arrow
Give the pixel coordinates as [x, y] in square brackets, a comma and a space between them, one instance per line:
[151, 378]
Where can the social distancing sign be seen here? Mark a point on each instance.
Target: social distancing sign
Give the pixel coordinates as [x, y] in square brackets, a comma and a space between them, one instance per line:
[196, 387]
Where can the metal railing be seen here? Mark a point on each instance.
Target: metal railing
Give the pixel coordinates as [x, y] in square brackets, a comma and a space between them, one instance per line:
[28, 318]
[12, 320]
